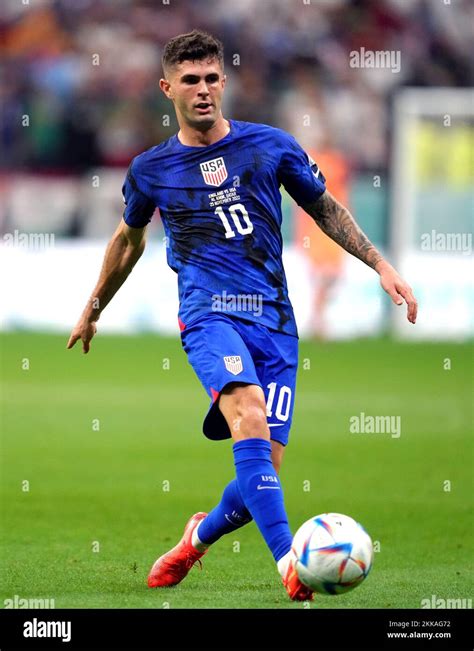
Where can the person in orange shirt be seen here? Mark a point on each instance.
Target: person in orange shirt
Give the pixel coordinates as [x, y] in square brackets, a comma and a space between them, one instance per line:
[326, 257]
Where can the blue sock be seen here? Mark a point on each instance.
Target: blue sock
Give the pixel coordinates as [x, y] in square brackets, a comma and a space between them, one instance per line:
[230, 514]
[262, 494]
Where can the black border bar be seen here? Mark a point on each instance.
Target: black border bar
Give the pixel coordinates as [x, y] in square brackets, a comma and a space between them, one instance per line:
[305, 628]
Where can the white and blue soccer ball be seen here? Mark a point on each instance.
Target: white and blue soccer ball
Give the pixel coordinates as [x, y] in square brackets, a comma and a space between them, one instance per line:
[334, 553]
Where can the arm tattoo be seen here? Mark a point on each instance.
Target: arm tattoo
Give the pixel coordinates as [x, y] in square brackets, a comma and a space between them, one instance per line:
[338, 223]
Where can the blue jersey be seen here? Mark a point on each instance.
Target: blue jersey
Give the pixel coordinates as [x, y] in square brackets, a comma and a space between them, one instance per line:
[221, 210]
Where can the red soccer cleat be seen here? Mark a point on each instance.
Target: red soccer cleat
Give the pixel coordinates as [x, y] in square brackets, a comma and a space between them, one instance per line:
[297, 591]
[172, 567]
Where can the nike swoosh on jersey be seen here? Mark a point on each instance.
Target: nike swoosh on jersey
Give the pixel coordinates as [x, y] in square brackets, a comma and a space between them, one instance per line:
[261, 488]
[275, 424]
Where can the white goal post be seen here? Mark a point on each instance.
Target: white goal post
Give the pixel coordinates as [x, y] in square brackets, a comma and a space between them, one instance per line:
[432, 203]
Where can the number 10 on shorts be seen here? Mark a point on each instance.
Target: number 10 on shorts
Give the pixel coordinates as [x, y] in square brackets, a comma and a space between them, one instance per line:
[283, 402]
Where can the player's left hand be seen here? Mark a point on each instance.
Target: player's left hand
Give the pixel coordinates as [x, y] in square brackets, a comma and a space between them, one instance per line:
[397, 289]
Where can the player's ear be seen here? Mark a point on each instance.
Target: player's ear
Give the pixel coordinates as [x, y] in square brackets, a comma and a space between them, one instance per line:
[166, 87]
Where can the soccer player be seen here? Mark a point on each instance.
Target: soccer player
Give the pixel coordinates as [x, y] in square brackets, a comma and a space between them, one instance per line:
[216, 184]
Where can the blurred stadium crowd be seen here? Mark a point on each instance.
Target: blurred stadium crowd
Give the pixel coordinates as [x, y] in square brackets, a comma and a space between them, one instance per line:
[293, 61]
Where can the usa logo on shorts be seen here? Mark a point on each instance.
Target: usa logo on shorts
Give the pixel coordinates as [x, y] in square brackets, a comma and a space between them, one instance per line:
[233, 364]
[214, 171]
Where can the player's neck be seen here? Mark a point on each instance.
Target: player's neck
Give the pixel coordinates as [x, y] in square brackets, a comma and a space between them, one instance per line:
[194, 138]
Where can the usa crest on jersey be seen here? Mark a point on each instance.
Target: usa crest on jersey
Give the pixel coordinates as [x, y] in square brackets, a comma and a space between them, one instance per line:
[214, 171]
[233, 364]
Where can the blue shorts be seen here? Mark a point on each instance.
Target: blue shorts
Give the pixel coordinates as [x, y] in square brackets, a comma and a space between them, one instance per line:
[222, 349]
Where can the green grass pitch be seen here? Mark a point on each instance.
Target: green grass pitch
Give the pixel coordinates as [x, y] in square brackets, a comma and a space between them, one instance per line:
[99, 439]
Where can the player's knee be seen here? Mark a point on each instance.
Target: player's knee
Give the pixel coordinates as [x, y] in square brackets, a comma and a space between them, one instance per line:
[254, 422]
[250, 415]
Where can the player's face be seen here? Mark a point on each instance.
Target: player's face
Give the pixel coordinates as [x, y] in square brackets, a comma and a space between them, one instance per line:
[196, 88]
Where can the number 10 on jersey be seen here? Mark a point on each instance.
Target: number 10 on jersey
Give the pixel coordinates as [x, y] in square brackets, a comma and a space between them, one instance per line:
[239, 214]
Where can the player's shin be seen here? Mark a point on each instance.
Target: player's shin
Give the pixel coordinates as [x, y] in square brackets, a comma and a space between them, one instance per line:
[262, 494]
[230, 514]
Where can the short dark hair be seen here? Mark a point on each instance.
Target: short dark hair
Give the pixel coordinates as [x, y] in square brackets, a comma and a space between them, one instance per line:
[194, 46]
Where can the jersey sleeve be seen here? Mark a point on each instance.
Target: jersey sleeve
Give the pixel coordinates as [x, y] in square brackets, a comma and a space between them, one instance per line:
[298, 172]
[139, 208]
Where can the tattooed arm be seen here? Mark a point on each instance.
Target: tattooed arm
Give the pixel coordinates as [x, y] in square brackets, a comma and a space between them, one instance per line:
[338, 223]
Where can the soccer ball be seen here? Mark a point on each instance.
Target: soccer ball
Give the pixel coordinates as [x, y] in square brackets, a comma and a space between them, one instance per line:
[333, 552]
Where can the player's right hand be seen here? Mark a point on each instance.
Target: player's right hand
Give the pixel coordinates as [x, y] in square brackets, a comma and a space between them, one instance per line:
[84, 330]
